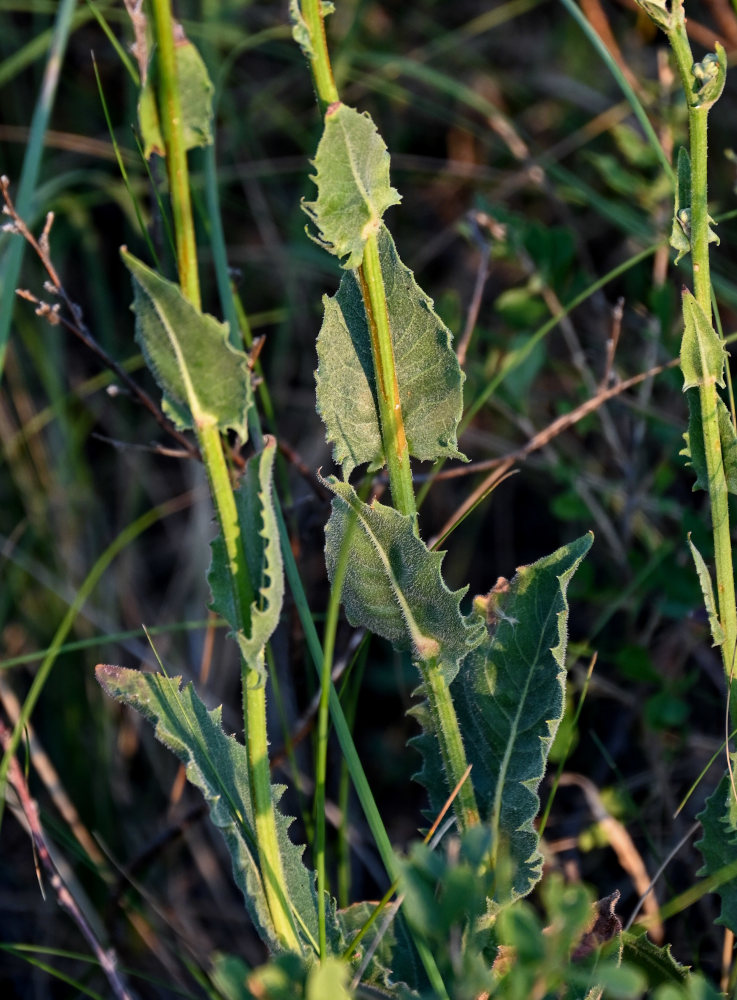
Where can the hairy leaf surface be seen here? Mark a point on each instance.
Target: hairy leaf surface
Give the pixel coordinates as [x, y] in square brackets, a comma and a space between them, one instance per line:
[205, 381]
[217, 764]
[718, 846]
[694, 452]
[394, 585]
[509, 697]
[195, 92]
[702, 352]
[353, 189]
[428, 374]
[257, 519]
[707, 590]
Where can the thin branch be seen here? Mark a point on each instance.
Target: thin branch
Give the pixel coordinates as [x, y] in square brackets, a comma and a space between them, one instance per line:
[106, 957]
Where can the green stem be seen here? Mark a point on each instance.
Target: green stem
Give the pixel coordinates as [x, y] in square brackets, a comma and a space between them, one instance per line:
[170, 114]
[699, 220]
[451, 743]
[211, 446]
[322, 71]
[259, 774]
[396, 450]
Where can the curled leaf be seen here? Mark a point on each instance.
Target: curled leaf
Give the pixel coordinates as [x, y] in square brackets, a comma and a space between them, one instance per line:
[352, 178]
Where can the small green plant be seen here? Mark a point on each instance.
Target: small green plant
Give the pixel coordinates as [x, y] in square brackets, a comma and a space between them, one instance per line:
[491, 672]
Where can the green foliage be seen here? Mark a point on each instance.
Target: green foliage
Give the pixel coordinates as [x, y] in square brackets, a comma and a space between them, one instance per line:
[217, 764]
[509, 696]
[260, 534]
[353, 189]
[394, 585]
[205, 381]
[429, 377]
[693, 451]
[702, 352]
[718, 845]
[717, 633]
[196, 91]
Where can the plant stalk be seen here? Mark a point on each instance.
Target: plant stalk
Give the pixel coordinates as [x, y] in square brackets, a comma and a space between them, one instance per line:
[208, 436]
[451, 743]
[322, 71]
[699, 239]
[396, 450]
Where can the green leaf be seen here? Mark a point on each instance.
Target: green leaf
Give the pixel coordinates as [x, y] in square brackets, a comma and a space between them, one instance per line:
[393, 585]
[702, 352]
[694, 452]
[429, 376]
[717, 633]
[353, 189]
[394, 962]
[205, 381]
[260, 533]
[709, 77]
[655, 962]
[718, 846]
[680, 236]
[658, 12]
[329, 978]
[217, 764]
[195, 91]
[509, 697]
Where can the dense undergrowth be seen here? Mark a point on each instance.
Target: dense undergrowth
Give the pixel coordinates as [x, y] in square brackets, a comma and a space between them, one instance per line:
[527, 185]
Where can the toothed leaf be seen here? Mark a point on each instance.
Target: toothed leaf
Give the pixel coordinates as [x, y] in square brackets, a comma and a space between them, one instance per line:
[259, 531]
[509, 697]
[393, 585]
[702, 352]
[217, 764]
[353, 189]
[680, 236]
[693, 450]
[204, 380]
[428, 374]
[718, 846]
[707, 590]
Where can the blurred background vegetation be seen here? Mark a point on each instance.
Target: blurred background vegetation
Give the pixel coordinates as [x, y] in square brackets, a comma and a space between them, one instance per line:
[525, 178]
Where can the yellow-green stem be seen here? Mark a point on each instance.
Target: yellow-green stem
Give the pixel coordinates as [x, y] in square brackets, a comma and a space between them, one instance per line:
[396, 450]
[451, 744]
[208, 436]
[699, 238]
[322, 72]
[170, 114]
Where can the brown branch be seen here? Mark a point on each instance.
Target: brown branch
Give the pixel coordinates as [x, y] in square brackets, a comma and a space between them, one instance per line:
[106, 957]
[75, 322]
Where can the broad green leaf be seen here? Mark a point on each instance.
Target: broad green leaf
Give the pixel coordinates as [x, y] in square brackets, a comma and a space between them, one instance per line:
[394, 585]
[353, 189]
[657, 963]
[257, 519]
[707, 590]
[709, 77]
[718, 846]
[217, 764]
[702, 352]
[429, 376]
[509, 698]
[394, 962]
[195, 92]
[694, 452]
[205, 381]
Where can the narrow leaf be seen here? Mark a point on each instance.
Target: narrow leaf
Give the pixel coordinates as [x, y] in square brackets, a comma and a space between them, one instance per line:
[509, 698]
[707, 590]
[718, 846]
[394, 585]
[217, 764]
[702, 352]
[205, 381]
[428, 374]
[680, 236]
[259, 530]
[694, 452]
[195, 90]
[353, 189]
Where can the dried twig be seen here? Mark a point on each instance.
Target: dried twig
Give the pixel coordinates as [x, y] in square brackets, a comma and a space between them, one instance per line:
[106, 957]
